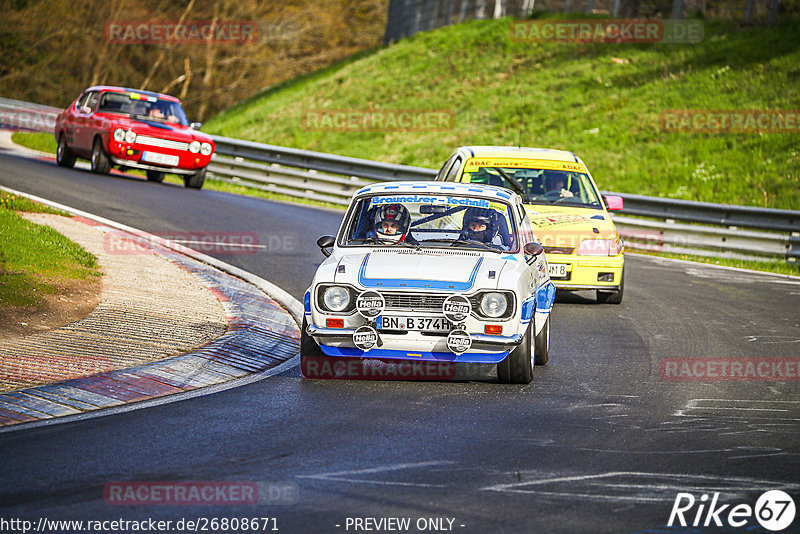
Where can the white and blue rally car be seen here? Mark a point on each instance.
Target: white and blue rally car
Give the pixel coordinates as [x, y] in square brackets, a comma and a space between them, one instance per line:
[432, 271]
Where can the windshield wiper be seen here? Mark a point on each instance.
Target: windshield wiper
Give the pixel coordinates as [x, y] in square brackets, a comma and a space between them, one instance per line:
[461, 242]
[384, 241]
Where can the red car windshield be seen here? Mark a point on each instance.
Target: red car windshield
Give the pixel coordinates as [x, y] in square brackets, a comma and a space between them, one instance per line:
[143, 107]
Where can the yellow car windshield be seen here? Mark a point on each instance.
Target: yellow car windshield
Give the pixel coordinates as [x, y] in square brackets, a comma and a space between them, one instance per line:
[540, 186]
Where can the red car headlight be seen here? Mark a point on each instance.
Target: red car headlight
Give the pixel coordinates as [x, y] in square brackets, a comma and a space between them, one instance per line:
[194, 147]
[119, 135]
[205, 149]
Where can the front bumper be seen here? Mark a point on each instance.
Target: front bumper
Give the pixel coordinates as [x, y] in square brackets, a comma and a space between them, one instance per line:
[412, 346]
[588, 272]
[136, 165]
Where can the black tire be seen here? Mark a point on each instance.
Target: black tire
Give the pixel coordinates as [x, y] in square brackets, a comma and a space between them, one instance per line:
[100, 162]
[155, 176]
[541, 345]
[195, 181]
[309, 349]
[64, 156]
[517, 368]
[615, 296]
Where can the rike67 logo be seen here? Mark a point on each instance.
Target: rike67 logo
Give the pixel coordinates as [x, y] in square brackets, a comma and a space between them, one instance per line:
[774, 511]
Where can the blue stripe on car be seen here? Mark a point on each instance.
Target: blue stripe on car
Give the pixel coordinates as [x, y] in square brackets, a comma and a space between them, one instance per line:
[545, 296]
[413, 283]
[467, 357]
[527, 309]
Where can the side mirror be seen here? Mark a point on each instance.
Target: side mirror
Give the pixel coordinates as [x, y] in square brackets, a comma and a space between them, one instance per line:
[196, 125]
[614, 202]
[533, 249]
[324, 243]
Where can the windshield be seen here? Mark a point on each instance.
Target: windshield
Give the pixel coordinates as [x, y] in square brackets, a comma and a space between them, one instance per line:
[143, 107]
[437, 221]
[539, 186]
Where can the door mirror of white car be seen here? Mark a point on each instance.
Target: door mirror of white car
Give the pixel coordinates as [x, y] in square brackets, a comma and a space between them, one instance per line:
[196, 125]
[324, 243]
[614, 202]
[533, 249]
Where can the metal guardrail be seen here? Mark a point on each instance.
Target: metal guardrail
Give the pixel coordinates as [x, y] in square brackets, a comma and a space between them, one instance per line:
[320, 161]
[677, 238]
[711, 213]
[333, 178]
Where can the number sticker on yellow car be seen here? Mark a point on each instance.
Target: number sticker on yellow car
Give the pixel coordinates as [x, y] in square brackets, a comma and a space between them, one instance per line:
[557, 270]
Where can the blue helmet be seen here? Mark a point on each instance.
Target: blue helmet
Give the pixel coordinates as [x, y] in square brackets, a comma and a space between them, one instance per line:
[480, 216]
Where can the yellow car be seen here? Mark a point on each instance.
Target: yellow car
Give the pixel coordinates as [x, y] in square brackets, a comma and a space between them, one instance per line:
[569, 216]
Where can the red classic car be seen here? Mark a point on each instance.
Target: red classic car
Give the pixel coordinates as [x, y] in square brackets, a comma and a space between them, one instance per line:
[115, 126]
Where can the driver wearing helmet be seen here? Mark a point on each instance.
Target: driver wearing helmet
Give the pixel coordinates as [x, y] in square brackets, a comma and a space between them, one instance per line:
[555, 182]
[480, 224]
[391, 223]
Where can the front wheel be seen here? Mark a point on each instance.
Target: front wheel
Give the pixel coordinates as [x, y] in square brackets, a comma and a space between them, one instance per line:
[155, 176]
[517, 368]
[311, 356]
[100, 162]
[64, 156]
[541, 345]
[195, 181]
[615, 296]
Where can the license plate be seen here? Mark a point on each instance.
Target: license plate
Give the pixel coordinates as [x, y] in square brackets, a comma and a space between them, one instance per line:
[162, 159]
[557, 270]
[414, 324]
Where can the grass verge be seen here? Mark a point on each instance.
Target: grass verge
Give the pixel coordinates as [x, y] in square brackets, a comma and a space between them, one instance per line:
[36, 260]
[604, 101]
[44, 142]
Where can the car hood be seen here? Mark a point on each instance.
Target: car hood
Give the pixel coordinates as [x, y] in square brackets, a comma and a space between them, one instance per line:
[159, 129]
[561, 226]
[427, 269]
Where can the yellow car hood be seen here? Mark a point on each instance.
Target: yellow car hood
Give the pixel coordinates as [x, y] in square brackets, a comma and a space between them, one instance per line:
[562, 226]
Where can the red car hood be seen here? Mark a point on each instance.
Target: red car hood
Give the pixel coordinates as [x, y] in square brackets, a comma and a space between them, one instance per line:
[163, 130]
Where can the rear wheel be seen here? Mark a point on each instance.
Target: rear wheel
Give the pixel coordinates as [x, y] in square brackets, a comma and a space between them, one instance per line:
[615, 296]
[100, 162]
[541, 345]
[155, 176]
[517, 368]
[64, 156]
[195, 181]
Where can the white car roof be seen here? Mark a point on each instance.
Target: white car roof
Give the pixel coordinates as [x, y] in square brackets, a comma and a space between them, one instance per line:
[439, 188]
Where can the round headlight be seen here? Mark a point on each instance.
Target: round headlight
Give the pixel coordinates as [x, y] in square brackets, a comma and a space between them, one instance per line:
[119, 135]
[194, 147]
[494, 304]
[130, 136]
[205, 149]
[336, 298]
